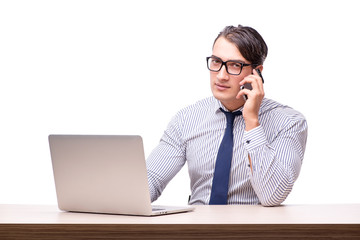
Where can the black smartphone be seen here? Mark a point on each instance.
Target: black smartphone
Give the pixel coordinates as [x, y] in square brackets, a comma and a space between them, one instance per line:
[259, 72]
[248, 85]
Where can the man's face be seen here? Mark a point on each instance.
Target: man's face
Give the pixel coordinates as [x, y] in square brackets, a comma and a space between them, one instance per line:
[224, 86]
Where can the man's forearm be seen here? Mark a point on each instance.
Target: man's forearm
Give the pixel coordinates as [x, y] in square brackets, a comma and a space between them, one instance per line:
[274, 167]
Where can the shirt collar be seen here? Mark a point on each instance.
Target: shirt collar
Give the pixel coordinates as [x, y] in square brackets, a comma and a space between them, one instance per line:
[219, 105]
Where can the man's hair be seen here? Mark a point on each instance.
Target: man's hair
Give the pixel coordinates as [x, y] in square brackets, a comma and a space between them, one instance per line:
[249, 42]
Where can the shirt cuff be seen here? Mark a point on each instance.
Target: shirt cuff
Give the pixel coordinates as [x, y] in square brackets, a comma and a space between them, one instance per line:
[254, 138]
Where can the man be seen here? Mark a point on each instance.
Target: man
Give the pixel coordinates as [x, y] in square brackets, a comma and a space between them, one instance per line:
[241, 148]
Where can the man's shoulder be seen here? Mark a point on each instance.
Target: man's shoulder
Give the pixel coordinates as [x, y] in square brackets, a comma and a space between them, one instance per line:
[203, 105]
[192, 113]
[271, 107]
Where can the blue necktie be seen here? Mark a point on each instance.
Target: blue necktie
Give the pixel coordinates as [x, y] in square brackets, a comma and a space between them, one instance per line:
[220, 184]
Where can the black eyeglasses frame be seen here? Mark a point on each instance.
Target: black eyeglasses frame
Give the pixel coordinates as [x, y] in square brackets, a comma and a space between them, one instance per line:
[225, 63]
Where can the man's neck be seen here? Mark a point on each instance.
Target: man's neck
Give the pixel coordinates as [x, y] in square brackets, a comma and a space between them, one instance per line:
[233, 105]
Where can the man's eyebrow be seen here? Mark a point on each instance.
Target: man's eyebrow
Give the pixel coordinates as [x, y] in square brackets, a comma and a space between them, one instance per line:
[231, 60]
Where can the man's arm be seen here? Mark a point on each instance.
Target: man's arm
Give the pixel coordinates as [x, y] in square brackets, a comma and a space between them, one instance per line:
[275, 166]
[166, 160]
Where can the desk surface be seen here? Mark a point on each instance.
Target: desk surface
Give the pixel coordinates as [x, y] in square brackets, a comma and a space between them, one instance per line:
[225, 214]
[205, 222]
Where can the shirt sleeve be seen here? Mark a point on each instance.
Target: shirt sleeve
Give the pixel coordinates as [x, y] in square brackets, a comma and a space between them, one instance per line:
[167, 159]
[276, 164]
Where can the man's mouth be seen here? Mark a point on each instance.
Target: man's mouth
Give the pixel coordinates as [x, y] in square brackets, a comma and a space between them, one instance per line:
[221, 87]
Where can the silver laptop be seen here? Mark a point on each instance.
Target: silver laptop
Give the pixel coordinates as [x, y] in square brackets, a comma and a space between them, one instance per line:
[103, 174]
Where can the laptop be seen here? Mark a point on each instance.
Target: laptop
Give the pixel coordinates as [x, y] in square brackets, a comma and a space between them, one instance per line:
[103, 174]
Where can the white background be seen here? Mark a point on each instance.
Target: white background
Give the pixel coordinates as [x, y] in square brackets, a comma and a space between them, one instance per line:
[126, 67]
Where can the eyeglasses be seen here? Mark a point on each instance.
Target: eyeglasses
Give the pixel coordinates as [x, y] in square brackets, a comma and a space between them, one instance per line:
[232, 67]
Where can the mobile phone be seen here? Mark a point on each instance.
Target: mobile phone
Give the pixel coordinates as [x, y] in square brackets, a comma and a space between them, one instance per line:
[248, 85]
[259, 72]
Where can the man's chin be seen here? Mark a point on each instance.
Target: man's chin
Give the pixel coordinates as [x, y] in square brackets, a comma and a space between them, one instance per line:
[230, 102]
[223, 97]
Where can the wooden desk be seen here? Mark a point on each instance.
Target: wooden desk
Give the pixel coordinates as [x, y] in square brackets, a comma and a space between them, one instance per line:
[206, 222]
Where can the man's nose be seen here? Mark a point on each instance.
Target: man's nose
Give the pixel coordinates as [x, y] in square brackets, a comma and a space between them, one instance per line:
[222, 74]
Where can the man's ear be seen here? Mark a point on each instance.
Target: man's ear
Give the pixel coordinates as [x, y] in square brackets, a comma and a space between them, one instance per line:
[260, 67]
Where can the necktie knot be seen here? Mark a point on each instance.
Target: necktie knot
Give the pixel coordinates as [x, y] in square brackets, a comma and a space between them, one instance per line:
[230, 116]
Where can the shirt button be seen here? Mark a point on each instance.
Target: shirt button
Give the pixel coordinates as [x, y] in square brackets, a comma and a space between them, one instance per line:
[248, 141]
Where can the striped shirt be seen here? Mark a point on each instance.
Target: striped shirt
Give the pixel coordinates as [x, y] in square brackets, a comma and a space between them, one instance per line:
[276, 149]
